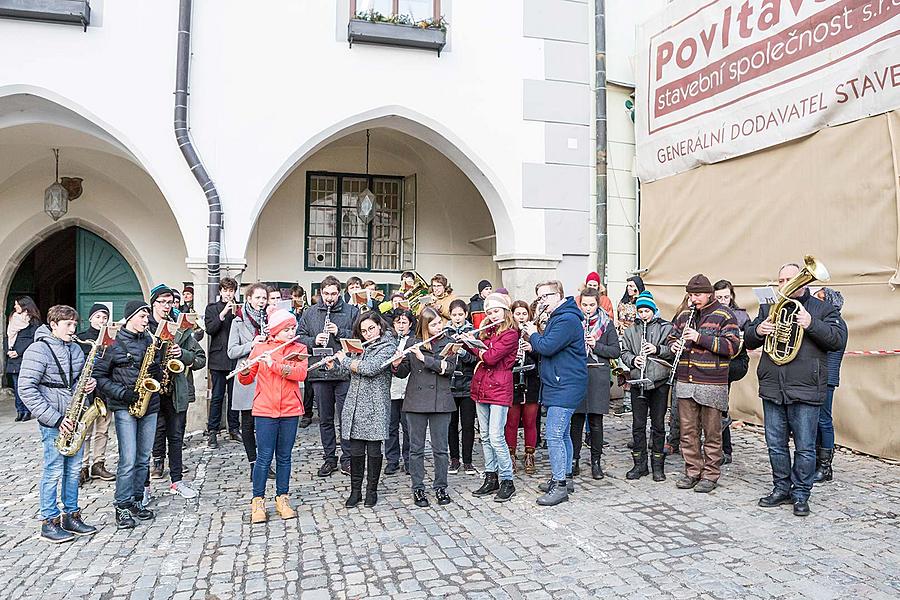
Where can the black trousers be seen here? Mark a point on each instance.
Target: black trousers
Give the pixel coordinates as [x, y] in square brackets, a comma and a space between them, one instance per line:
[726, 435]
[309, 400]
[654, 403]
[365, 448]
[220, 401]
[465, 413]
[170, 431]
[577, 433]
[248, 434]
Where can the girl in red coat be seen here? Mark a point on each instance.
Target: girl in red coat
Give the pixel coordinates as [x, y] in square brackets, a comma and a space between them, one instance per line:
[277, 407]
[492, 391]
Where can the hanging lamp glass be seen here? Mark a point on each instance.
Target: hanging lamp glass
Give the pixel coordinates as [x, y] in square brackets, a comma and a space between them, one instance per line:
[366, 205]
[56, 198]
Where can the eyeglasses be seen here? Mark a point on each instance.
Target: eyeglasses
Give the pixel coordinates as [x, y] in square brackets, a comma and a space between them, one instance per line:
[165, 302]
[547, 295]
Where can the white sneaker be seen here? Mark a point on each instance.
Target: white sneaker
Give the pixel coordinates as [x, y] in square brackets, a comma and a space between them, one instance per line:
[180, 488]
[147, 499]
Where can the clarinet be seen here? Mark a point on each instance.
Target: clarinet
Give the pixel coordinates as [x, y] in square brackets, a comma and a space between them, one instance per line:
[644, 365]
[678, 354]
[327, 323]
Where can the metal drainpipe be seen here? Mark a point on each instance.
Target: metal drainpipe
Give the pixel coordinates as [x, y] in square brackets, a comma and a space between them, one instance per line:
[183, 136]
[601, 153]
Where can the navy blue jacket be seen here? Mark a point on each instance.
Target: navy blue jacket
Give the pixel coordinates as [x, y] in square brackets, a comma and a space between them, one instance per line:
[563, 357]
[834, 359]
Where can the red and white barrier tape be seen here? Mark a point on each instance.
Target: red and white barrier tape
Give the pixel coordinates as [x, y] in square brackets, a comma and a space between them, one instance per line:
[853, 352]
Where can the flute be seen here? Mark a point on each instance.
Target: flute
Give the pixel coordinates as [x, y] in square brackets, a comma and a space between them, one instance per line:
[413, 347]
[255, 360]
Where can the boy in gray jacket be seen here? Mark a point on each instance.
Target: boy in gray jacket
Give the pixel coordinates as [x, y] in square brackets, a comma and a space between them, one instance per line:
[50, 370]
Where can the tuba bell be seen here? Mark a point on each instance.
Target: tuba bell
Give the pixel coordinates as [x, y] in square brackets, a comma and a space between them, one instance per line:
[783, 344]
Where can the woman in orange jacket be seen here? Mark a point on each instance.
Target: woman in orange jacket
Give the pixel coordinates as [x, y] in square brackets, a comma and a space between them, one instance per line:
[277, 408]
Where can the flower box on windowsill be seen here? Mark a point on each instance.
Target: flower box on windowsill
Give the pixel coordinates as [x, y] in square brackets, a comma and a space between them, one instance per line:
[390, 34]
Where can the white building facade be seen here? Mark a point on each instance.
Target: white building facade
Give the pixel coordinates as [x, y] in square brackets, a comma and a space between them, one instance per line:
[481, 157]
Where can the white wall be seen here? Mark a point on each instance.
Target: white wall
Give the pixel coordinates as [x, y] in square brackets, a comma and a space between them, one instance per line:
[450, 213]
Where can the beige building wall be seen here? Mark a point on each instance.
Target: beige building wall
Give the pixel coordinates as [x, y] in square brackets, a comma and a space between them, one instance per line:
[453, 225]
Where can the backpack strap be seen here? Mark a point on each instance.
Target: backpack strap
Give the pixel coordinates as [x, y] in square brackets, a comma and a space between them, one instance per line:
[66, 384]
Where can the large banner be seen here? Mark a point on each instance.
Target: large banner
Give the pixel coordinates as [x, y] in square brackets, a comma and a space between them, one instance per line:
[721, 78]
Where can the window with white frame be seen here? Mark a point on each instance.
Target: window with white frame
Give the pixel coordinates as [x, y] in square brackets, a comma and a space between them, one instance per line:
[416, 10]
[337, 237]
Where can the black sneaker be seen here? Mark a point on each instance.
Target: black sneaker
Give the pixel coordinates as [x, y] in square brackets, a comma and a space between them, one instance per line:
[73, 524]
[420, 498]
[390, 469]
[124, 518]
[345, 469]
[140, 512]
[469, 469]
[801, 508]
[213, 441]
[52, 532]
[235, 436]
[442, 498]
[454, 466]
[326, 469]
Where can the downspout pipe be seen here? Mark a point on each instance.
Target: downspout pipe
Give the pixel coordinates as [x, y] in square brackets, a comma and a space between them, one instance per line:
[601, 136]
[183, 136]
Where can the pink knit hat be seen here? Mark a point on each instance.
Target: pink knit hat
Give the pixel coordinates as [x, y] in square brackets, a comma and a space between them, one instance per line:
[280, 320]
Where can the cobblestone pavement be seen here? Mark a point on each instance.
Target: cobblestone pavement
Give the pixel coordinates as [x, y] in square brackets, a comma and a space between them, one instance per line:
[615, 538]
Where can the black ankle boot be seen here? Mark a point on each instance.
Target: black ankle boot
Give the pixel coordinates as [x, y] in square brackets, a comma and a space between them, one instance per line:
[596, 467]
[658, 464]
[52, 532]
[357, 466]
[824, 472]
[124, 518]
[72, 523]
[507, 491]
[490, 485]
[576, 468]
[372, 475]
[640, 466]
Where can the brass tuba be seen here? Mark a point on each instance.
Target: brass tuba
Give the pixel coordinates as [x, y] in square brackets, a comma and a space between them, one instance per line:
[783, 344]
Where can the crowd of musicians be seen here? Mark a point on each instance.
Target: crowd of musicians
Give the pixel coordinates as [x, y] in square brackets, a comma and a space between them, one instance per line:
[388, 377]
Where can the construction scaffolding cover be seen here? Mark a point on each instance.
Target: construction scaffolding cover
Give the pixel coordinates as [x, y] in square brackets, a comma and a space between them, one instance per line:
[834, 195]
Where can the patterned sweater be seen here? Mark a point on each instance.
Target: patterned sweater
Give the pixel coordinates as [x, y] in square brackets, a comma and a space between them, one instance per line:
[706, 360]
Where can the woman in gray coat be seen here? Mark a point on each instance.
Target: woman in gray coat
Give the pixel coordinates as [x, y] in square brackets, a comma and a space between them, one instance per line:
[247, 329]
[364, 419]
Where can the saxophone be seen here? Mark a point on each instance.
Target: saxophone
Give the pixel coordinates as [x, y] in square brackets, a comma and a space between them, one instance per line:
[144, 385]
[83, 416]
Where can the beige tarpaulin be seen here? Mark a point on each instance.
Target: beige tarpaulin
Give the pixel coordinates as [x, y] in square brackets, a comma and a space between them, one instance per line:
[834, 195]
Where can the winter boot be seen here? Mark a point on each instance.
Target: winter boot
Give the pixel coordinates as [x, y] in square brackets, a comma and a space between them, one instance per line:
[640, 466]
[529, 460]
[258, 510]
[658, 464]
[372, 475]
[124, 518]
[490, 485]
[53, 533]
[72, 523]
[570, 483]
[556, 493]
[98, 470]
[357, 468]
[512, 457]
[284, 508]
[576, 468]
[84, 476]
[506, 492]
[596, 467]
[824, 472]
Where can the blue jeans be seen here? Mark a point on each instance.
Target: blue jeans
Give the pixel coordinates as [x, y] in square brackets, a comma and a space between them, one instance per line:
[825, 435]
[21, 409]
[492, 428]
[781, 420]
[559, 440]
[58, 469]
[135, 438]
[274, 438]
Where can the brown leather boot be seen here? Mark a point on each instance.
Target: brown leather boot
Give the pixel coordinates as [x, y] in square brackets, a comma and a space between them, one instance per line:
[284, 508]
[85, 476]
[258, 510]
[98, 470]
[512, 456]
[529, 460]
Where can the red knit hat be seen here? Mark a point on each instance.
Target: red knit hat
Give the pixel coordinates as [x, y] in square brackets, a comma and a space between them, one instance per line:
[279, 320]
[593, 276]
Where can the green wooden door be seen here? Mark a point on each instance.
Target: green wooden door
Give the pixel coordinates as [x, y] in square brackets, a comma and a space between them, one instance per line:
[102, 275]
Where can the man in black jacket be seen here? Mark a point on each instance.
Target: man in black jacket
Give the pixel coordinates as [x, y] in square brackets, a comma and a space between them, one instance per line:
[793, 392]
[320, 329]
[218, 318]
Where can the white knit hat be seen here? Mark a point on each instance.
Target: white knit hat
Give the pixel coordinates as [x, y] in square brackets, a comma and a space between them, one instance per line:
[496, 301]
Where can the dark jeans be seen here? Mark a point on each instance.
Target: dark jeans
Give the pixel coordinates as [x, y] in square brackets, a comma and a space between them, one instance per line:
[577, 434]
[653, 403]
[360, 448]
[274, 438]
[135, 440]
[221, 386]
[309, 400]
[825, 434]
[801, 420]
[393, 449]
[170, 428]
[330, 396]
[21, 409]
[674, 419]
[248, 434]
[465, 412]
[726, 434]
[439, 424]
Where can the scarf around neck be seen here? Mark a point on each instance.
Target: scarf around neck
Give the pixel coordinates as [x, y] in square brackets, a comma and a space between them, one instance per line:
[17, 322]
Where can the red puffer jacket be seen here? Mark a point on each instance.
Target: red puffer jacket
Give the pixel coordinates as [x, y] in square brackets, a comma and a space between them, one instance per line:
[277, 387]
[493, 379]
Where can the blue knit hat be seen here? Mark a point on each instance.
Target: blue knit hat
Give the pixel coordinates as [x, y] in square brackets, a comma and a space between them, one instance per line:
[645, 300]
